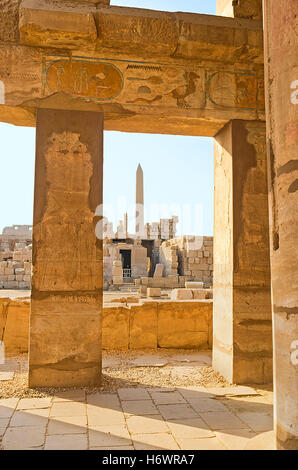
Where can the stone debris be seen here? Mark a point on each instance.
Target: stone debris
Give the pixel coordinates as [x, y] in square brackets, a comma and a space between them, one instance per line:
[15, 273]
[153, 292]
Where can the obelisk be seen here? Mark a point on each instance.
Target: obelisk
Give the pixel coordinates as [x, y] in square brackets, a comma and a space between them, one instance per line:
[140, 202]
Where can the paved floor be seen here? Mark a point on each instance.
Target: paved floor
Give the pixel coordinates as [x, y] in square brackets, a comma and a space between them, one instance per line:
[140, 418]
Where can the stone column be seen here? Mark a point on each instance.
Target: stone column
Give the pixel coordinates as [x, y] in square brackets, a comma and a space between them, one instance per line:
[242, 336]
[66, 299]
[281, 66]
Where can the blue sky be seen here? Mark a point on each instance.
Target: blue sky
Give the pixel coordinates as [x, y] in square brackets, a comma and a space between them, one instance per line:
[178, 171]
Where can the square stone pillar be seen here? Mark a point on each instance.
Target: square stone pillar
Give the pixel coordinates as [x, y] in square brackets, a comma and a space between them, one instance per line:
[66, 298]
[242, 335]
[281, 85]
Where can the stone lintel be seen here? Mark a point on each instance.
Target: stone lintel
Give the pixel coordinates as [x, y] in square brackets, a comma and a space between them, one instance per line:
[145, 33]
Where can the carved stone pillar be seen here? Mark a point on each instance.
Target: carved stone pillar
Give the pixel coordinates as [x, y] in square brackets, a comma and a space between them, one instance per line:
[66, 299]
[242, 338]
[281, 66]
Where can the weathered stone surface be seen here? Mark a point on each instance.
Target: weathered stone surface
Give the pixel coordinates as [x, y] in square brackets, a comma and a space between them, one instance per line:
[240, 8]
[9, 17]
[65, 326]
[146, 58]
[182, 294]
[58, 27]
[14, 325]
[115, 327]
[153, 292]
[280, 20]
[182, 326]
[242, 306]
[143, 326]
[133, 327]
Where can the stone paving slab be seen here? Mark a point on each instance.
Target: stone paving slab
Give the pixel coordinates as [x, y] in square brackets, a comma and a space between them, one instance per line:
[152, 424]
[201, 444]
[67, 425]
[70, 395]
[194, 428]
[208, 404]
[259, 422]
[133, 394]
[139, 407]
[232, 391]
[104, 400]
[67, 441]
[26, 437]
[7, 407]
[146, 418]
[113, 448]
[264, 441]
[167, 398]
[154, 441]
[68, 408]
[34, 403]
[235, 439]
[195, 393]
[218, 420]
[104, 417]
[3, 425]
[180, 411]
[37, 417]
[113, 436]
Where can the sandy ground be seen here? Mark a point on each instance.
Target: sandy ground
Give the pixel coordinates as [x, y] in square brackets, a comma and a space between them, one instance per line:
[156, 368]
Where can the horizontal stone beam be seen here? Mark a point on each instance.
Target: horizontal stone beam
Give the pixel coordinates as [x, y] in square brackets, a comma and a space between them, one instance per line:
[147, 71]
[141, 32]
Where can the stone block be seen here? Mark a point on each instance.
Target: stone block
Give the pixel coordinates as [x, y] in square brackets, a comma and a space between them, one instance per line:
[143, 326]
[181, 294]
[143, 290]
[117, 280]
[19, 271]
[153, 292]
[144, 281]
[117, 272]
[16, 333]
[115, 327]
[117, 263]
[184, 324]
[194, 285]
[158, 270]
[8, 271]
[199, 294]
[27, 278]
[11, 285]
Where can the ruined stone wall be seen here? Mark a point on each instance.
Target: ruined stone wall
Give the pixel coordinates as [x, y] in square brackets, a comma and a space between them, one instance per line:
[15, 267]
[158, 324]
[190, 257]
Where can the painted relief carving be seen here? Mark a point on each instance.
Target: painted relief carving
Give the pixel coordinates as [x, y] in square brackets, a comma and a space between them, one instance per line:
[238, 90]
[67, 216]
[136, 84]
[88, 79]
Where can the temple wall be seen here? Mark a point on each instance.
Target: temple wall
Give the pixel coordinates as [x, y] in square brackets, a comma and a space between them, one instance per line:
[157, 324]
